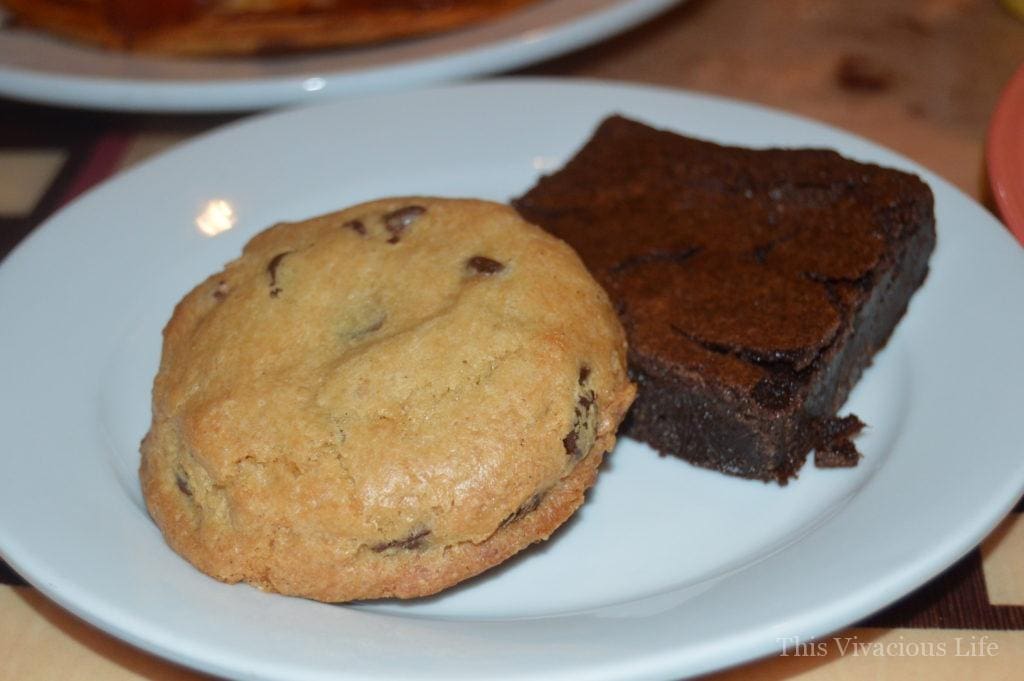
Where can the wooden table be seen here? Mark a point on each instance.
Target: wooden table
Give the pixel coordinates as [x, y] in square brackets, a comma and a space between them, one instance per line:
[919, 76]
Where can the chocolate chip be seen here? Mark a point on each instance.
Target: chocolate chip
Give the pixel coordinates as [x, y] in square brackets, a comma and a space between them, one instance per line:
[183, 485]
[579, 440]
[584, 374]
[396, 222]
[529, 506]
[272, 270]
[571, 445]
[841, 454]
[839, 428]
[484, 265]
[415, 540]
[356, 226]
[221, 292]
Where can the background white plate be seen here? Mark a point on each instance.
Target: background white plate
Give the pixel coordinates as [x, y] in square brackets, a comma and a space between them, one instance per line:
[667, 570]
[40, 68]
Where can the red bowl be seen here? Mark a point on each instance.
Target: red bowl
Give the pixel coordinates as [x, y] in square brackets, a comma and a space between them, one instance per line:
[1005, 154]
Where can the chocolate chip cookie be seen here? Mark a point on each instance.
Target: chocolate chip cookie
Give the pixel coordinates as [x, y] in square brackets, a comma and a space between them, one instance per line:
[382, 401]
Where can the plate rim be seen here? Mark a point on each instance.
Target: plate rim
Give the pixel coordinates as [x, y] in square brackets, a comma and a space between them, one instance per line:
[513, 50]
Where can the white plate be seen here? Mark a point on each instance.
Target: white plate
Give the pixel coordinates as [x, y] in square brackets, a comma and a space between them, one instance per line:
[40, 68]
[668, 570]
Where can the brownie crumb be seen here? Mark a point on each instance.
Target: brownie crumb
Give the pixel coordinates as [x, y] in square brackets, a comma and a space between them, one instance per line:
[840, 427]
[835, 448]
[842, 454]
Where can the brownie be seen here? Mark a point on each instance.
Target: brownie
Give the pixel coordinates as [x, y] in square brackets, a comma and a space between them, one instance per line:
[755, 285]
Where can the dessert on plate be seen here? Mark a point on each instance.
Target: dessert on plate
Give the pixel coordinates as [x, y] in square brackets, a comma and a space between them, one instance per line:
[382, 401]
[755, 285]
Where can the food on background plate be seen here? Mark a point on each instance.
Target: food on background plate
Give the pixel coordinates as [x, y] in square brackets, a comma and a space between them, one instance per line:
[754, 285]
[224, 27]
[382, 401]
